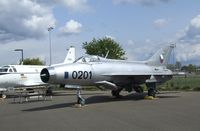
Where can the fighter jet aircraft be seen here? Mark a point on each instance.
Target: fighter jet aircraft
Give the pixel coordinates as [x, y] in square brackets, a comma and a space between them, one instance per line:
[28, 76]
[112, 74]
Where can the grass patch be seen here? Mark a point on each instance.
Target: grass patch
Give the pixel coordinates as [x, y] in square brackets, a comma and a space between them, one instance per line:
[182, 83]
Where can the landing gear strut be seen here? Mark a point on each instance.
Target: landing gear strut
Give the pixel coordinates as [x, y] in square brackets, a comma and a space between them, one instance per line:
[80, 99]
[151, 89]
[138, 89]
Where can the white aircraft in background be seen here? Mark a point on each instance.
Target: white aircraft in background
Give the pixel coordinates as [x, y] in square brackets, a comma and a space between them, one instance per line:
[28, 76]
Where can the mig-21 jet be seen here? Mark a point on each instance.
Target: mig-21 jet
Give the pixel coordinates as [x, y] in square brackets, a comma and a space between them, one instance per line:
[111, 73]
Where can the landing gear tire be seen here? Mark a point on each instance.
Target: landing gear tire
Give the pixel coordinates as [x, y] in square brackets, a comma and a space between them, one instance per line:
[3, 96]
[81, 101]
[139, 89]
[116, 93]
[152, 92]
[151, 89]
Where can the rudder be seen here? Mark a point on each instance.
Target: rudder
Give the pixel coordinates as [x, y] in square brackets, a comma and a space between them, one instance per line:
[161, 57]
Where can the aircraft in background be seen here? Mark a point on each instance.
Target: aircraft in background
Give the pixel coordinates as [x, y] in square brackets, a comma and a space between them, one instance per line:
[112, 74]
[28, 76]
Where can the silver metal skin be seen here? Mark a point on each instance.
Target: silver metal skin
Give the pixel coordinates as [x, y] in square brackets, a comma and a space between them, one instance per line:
[112, 74]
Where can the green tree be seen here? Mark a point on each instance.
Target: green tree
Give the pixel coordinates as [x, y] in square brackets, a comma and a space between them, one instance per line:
[101, 47]
[191, 68]
[184, 68]
[33, 61]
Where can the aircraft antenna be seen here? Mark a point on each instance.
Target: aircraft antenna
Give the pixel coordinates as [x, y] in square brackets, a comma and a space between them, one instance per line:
[107, 54]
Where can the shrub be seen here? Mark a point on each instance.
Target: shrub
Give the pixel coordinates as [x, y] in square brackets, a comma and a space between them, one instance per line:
[196, 89]
[186, 88]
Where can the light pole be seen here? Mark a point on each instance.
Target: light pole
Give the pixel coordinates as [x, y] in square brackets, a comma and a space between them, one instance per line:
[22, 55]
[49, 29]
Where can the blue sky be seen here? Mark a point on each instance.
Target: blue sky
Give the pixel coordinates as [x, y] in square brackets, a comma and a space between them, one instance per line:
[140, 26]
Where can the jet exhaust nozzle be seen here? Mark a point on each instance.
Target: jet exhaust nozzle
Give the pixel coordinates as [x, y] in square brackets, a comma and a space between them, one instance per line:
[44, 75]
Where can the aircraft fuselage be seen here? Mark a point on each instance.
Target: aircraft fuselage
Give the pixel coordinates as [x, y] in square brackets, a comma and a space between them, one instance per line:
[116, 72]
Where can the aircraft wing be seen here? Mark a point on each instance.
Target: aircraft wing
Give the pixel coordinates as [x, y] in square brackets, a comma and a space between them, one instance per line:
[31, 83]
[137, 74]
[3, 89]
[107, 84]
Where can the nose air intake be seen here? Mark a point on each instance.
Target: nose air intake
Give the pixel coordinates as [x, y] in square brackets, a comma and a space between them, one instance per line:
[44, 75]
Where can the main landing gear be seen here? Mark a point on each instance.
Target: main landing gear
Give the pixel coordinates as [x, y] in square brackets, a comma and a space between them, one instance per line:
[151, 90]
[116, 92]
[138, 89]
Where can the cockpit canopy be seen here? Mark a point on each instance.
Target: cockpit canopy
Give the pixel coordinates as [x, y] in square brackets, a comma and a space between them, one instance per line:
[8, 69]
[88, 58]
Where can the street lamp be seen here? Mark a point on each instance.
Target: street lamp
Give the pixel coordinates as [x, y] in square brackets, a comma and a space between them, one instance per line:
[49, 29]
[22, 55]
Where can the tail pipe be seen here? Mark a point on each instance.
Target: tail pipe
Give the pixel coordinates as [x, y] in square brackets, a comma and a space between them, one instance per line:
[44, 75]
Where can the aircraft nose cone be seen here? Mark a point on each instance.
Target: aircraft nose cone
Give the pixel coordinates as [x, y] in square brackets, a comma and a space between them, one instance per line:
[44, 75]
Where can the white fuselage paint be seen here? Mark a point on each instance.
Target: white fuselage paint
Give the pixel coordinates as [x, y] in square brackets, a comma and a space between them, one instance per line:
[20, 76]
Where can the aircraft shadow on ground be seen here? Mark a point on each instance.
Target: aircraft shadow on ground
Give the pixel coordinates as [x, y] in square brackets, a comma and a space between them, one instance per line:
[73, 94]
[29, 101]
[100, 99]
[51, 107]
[130, 97]
[108, 98]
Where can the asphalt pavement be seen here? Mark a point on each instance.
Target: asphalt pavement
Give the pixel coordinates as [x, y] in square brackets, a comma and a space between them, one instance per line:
[171, 111]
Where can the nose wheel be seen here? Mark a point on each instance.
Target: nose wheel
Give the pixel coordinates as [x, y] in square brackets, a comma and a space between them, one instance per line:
[80, 99]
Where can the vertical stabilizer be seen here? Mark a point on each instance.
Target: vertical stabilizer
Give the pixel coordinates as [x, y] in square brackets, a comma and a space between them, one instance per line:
[70, 58]
[161, 57]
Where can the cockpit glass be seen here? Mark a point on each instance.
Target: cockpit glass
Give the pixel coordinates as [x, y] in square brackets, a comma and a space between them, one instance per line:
[79, 59]
[10, 70]
[87, 59]
[14, 69]
[3, 69]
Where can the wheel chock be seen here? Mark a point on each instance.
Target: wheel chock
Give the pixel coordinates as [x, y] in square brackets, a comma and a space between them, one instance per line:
[149, 98]
[78, 105]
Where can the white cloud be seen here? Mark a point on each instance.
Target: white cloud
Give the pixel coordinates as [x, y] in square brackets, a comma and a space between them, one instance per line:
[141, 2]
[24, 19]
[141, 50]
[196, 22]
[76, 5]
[188, 42]
[71, 27]
[188, 52]
[111, 37]
[192, 32]
[160, 23]
[130, 42]
[72, 5]
[148, 40]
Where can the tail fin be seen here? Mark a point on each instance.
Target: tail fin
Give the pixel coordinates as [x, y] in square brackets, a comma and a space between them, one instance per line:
[70, 58]
[161, 57]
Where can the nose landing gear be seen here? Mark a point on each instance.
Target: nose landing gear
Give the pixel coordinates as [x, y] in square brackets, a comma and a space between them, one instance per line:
[80, 99]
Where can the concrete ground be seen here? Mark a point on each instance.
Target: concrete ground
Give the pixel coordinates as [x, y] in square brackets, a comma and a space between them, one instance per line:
[171, 111]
